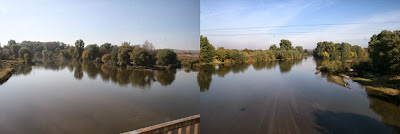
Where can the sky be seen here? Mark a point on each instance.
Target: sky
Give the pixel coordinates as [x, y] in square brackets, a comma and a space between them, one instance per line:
[165, 23]
[257, 24]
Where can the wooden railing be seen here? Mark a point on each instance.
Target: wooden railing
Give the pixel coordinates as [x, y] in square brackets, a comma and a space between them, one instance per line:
[172, 126]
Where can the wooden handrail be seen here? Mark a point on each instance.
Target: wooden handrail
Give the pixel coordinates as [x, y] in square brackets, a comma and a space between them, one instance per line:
[167, 127]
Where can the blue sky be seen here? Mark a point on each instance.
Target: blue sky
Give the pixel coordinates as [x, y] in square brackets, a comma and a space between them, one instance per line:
[165, 23]
[360, 18]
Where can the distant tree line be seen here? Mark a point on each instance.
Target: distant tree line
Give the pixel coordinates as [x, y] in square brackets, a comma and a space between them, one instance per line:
[285, 51]
[139, 55]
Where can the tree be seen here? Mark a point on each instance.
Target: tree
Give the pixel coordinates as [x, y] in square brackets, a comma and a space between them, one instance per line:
[238, 56]
[79, 47]
[105, 49]
[260, 56]
[124, 56]
[222, 54]
[26, 53]
[114, 54]
[384, 50]
[166, 57]
[148, 46]
[299, 48]
[11, 42]
[207, 51]
[64, 54]
[286, 45]
[273, 47]
[141, 57]
[92, 52]
[345, 50]
[14, 50]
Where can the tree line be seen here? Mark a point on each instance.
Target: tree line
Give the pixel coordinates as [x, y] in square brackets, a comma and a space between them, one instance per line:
[285, 51]
[382, 54]
[138, 55]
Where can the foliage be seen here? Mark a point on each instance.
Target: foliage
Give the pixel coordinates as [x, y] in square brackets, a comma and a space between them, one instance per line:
[207, 51]
[14, 50]
[105, 48]
[114, 54]
[260, 56]
[141, 57]
[273, 47]
[64, 54]
[105, 58]
[124, 56]
[79, 47]
[166, 57]
[285, 45]
[238, 56]
[384, 50]
[148, 46]
[299, 48]
[92, 52]
[26, 53]
[330, 50]
[222, 54]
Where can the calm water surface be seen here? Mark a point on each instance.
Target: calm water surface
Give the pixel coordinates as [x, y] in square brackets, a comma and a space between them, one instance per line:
[80, 98]
[289, 97]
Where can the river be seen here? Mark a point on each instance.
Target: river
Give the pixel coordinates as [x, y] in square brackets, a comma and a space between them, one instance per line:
[290, 97]
[53, 97]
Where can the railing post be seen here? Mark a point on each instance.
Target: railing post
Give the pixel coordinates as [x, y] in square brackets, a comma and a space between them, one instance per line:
[188, 129]
[196, 128]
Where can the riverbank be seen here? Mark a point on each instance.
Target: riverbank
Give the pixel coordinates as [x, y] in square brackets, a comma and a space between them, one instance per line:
[387, 84]
[6, 71]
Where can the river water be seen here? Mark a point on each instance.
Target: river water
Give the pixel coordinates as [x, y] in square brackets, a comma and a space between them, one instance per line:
[290, 97]
[81, 98]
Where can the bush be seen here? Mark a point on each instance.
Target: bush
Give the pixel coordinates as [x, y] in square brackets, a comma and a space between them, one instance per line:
[106, 58]
[141, 57]
[166, 57]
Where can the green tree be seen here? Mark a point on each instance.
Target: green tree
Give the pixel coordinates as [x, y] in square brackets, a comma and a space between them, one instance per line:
[207, 51]
[299, 48]
[114, 54]
[238, 56]
[14, 50]
[64, 54]
[273, 47]
[105, 49]
[124, 56]
[222, 54]
[384, 50]
[260, 56]
[141, 57]
[12, 42]
[92, 52]
[26, 53]
[79, 47]
[285, 45]
[166, 57]
[345, 50]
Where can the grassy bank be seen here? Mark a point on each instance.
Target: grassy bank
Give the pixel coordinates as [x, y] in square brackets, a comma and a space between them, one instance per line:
[6, 70]
[387, 84]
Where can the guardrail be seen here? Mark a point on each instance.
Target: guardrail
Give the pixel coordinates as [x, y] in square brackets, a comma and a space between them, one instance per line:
[172, 126]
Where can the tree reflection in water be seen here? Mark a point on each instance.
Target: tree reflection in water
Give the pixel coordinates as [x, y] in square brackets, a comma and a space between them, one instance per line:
[204, 76]
[116, 74]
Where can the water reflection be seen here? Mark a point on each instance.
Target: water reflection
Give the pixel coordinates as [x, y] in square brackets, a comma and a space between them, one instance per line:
[116, 74]
[238, 98]
[204, 76]
[348, 123]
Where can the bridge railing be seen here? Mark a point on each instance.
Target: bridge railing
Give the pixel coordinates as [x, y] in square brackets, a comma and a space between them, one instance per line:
[175, 126]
